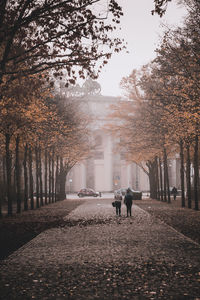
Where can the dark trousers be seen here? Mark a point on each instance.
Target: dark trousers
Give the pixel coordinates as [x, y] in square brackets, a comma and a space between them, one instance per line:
[118, 208]
[128, 210]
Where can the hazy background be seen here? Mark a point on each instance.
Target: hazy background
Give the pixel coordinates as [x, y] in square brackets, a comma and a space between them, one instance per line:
[142, 31]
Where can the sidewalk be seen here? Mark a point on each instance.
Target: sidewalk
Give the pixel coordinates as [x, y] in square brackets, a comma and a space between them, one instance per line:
[96, 255]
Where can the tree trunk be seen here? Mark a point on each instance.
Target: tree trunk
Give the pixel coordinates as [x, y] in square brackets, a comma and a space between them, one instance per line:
[37, 177]
[1, 201]
[3, 182]
[161, 179]
[157, 180]
[8, 173]
[166, 175]
[196, 173]
[53, 179]
[1, 188]
[40, 176]
[45, 175]
[152, 178]
[30, 166]
[18, 175]
[182, 174]
[188, 177]
[56, 180]
[62, 180]
[25, 178]
[4, 174]
[49, 177]
[164, 179]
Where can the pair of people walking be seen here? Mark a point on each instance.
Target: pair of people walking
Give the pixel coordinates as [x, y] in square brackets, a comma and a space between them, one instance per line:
[128, 201]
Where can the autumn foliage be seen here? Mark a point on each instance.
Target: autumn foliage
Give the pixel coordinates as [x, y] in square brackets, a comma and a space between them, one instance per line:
[43, 135]
[36, 36]
[161, 117]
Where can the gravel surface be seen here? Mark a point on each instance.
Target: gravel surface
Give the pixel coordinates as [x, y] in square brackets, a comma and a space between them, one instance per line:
[93, 254]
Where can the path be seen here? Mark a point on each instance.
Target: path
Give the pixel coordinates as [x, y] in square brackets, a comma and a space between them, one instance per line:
[100, 256]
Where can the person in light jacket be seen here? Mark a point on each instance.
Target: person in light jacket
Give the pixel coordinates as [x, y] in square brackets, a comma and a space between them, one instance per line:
[118, 204]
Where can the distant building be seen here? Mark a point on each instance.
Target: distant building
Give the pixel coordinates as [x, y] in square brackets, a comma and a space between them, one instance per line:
[106, 170]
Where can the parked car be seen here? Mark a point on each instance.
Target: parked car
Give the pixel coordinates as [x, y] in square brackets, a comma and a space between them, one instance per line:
[87, 192]
[137, 195]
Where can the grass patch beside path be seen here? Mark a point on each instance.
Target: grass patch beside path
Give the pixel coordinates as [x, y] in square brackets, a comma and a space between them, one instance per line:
[184, 220]
[19, 229]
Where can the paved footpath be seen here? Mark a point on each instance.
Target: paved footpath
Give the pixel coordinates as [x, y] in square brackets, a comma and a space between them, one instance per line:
[98, 255]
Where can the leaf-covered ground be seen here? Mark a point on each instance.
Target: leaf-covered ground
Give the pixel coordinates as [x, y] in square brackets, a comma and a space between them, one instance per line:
[184, 220]
[92, 254]
[17, 230]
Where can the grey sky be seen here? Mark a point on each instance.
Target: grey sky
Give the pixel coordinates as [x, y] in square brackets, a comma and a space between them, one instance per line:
[141, 30]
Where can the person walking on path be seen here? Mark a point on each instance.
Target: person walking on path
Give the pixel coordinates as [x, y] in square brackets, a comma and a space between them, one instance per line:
[128, 200]
[174, 192]
[118, 204]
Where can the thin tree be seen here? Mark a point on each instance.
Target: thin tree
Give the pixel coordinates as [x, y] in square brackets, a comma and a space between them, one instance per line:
[25, 177]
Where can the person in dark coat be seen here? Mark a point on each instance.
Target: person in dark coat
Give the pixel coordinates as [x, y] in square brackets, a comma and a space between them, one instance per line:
[174, 192]
[118, 203]
[128, 200]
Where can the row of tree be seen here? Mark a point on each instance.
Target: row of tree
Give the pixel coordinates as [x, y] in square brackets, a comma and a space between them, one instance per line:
[42, 136]
[38, 40]
[40, 133]
[162, 116]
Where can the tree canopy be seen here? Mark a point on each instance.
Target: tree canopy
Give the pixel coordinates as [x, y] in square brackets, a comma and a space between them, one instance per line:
[54, 34]
[161, 115]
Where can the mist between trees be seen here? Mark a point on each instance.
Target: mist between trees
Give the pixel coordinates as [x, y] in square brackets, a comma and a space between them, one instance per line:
[161, 117]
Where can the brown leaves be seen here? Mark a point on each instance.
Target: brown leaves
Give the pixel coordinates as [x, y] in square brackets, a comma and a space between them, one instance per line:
[52, 35]
[167, 109]
[160, 7]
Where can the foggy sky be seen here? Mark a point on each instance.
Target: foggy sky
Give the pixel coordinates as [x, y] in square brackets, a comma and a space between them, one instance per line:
[141, 30]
